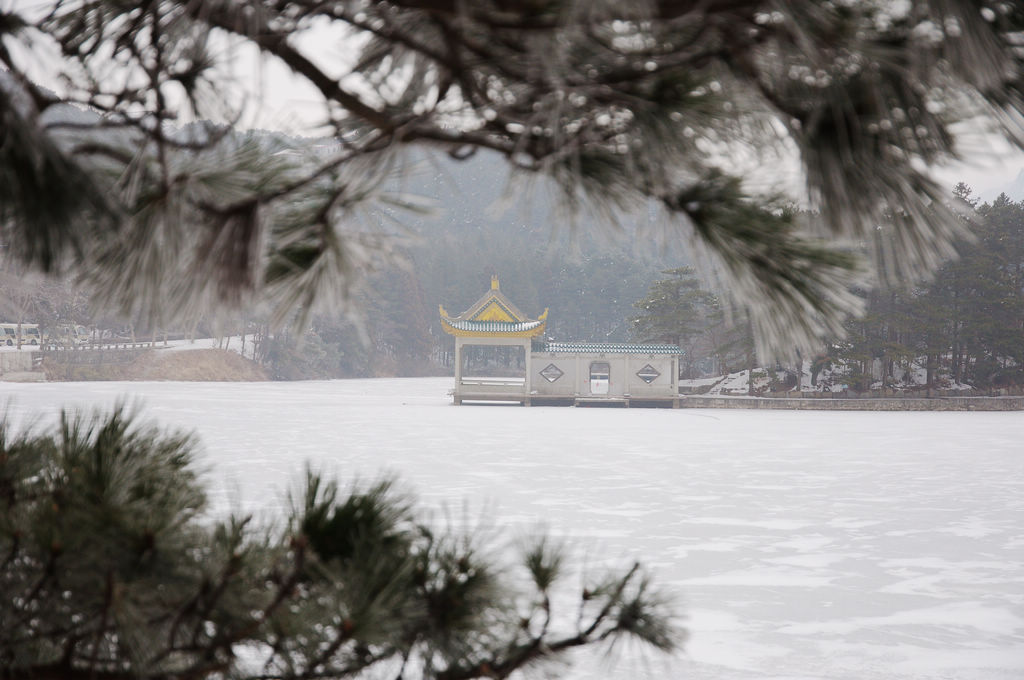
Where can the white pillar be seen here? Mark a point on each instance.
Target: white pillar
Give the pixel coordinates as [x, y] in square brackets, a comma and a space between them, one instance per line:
[458, 363]
[528, 382]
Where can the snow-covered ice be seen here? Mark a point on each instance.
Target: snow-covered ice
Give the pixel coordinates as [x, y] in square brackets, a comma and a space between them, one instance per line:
[803, 545]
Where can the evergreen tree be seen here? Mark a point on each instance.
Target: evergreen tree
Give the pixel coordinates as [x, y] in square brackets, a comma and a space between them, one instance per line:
[677, 311]
[1003, 239]
[732, 343]
[619, 106]
[963, 325]
[111, 568]
[674, 310]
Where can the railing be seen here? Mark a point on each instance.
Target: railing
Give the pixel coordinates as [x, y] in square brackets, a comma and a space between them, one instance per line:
[479, 387]
[495, 382]
[112, 353]
[97, 346]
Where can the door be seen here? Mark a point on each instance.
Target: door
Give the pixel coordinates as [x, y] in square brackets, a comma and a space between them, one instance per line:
[600, 374]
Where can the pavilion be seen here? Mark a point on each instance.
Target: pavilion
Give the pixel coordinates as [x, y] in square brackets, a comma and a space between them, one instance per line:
[502, 355]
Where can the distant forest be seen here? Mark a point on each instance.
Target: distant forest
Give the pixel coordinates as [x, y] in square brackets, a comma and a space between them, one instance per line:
[964, 326]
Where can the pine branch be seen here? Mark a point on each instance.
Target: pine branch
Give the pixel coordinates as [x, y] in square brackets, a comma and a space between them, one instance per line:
[223, 16]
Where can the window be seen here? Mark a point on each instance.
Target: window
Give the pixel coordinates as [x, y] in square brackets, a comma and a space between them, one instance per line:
[551, 373]
[506, 361]
[648, 374]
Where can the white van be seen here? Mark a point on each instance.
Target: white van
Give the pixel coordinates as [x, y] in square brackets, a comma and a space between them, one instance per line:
[68, 334]
[29, 334]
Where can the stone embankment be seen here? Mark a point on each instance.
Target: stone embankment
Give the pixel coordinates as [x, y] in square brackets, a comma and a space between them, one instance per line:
[21, 366]
[1015, 403]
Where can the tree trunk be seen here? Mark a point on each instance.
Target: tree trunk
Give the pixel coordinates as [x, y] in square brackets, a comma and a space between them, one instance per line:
[957, 362]
[750, 375]
[929, 373]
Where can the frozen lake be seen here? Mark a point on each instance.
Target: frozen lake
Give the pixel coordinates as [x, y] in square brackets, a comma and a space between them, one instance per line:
[803, 545]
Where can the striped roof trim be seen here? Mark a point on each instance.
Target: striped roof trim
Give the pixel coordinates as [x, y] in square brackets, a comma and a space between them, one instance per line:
[515, 314]
[494, 326]
[493, 295]
[605, 348]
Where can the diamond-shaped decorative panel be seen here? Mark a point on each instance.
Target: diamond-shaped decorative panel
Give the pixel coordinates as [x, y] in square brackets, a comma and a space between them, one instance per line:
[551, 373]
[648, 374]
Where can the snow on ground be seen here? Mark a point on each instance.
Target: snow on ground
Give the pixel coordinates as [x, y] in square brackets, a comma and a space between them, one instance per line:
[733, 382]
[233, 343]
[801, 544]
[831, 379]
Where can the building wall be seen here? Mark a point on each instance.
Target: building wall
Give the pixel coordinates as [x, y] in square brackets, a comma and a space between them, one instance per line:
[575, 379]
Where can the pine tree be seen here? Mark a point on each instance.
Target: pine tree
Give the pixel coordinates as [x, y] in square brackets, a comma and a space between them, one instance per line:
[674, 310]
[965, 323]
[677, 312]
[112, 568]
[620, 106]
[1003, 239]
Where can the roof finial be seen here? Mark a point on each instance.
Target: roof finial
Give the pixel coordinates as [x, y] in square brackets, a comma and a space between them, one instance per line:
[494, 282]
